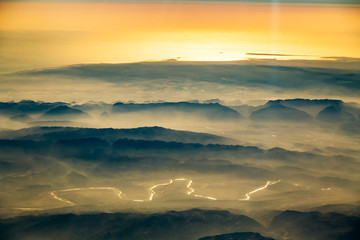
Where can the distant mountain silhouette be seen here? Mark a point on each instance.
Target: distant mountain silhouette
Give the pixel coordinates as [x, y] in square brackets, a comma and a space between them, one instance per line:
[21, 117]
[210, 110]
[92, 106]
[290, 110]
[300, 102]
[26, 106]
[238, 236]
[111, 134]
[64, 110]
[335, 113]
[275, 111]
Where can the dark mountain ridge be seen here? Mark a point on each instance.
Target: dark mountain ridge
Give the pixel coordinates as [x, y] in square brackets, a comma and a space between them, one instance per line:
[209, 110]
[190, 224]
[64, 110]
[238, 236]
[316, 226]
[275, 111]
[27, 106]
[112, 134]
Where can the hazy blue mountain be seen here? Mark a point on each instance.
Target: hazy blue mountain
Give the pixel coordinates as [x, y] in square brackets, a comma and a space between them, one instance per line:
[111, 147]
[92, 106]
[111, 134]
[190, 225]
[210, 110]
[238, 236]
[300, 102]
[316, 226]
[145, 155]
[335, 113]
[27, 106]
[64, 110]
[21, 117]
[275, 111]
[125, 143]
[290, 110]
[246, 110]
[134, 157]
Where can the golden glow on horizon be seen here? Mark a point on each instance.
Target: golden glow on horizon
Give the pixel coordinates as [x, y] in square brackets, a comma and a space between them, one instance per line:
[67, 33]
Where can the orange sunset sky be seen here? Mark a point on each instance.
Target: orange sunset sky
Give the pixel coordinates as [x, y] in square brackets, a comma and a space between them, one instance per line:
[40, 34]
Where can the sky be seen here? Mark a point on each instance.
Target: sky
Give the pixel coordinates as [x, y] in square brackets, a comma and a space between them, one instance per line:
[39, 34]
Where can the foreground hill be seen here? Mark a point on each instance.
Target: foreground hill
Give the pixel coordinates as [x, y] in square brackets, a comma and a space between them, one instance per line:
[238, 236]
[189, 225]
[179, 225]
[316, 226]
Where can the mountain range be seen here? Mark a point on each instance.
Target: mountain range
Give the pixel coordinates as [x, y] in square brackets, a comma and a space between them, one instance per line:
[191, 224]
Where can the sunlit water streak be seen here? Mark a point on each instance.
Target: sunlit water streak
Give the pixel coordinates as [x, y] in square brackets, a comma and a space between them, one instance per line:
[54, 195]
[269, 183]
[152, 192]
[28, 209]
